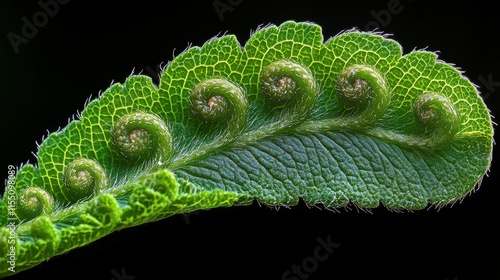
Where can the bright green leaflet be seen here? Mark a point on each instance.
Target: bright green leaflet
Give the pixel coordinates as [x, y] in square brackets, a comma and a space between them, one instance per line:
[288, 116]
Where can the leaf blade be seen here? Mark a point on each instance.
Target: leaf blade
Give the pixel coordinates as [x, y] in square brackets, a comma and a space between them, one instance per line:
[332, 153]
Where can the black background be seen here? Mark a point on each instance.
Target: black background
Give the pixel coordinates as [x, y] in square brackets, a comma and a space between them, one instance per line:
[88, 44]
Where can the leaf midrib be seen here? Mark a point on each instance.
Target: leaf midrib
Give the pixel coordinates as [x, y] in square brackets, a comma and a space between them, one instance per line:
[347, 124]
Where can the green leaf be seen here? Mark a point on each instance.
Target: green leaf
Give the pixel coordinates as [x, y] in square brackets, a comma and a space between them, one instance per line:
[288, 116]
